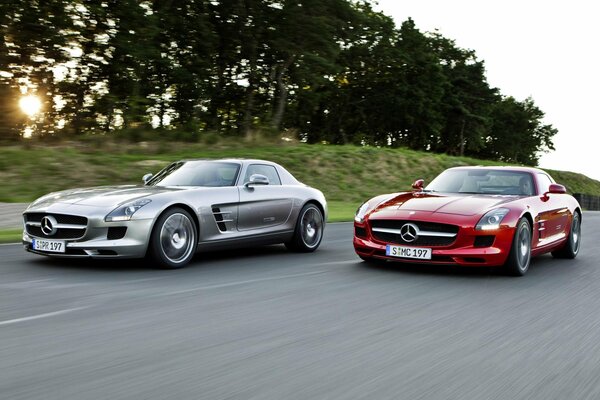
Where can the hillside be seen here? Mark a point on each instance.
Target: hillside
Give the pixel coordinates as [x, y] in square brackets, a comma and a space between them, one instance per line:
[346, 174]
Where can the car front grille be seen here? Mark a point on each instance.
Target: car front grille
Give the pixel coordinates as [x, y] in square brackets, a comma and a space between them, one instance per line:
[67, 226]
[428, 233]
[60, 218]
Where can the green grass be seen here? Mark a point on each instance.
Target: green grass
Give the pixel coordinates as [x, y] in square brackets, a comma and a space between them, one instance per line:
[340, 211]
[347, 175]
[10, 235]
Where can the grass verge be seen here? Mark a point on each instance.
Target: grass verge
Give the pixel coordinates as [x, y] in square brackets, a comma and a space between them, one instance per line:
[340, 211]
[347, 175]
[10, 235]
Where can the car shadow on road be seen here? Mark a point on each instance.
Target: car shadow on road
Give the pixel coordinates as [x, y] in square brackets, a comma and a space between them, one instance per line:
[92, 264]
[202, 259]
[544, 264]
[436, 270]
[250, 252]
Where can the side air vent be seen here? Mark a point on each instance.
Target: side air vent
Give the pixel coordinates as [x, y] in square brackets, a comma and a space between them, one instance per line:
[221, 217]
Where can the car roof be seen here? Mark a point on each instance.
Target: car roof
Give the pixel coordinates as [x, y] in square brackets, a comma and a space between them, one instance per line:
[236, 160]
[503, 167]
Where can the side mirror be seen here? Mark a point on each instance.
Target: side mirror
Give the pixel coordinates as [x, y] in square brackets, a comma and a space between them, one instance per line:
[146, 178]
[555, 188]
[257, 179]
[418, 185]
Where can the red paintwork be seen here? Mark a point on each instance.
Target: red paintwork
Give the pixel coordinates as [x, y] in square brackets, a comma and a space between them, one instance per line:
[550, 212]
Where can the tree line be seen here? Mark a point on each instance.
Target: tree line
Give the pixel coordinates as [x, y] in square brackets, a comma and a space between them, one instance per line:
[332, 71]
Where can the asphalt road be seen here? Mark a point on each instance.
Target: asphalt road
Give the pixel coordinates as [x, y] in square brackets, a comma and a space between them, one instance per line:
[268, 324]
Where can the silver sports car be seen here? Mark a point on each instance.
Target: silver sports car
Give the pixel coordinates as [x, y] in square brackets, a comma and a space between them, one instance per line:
[189, 206]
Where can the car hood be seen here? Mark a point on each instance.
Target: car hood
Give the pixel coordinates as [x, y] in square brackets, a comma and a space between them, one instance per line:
[467, 205]
[103, 196]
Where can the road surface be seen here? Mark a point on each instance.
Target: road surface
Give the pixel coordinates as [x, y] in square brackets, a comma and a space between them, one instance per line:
[268, 324]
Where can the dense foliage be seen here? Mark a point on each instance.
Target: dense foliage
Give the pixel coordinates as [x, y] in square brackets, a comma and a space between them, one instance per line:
[323, 70]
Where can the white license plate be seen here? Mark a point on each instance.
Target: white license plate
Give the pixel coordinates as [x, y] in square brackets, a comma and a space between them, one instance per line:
[50, 246]
[418, 253]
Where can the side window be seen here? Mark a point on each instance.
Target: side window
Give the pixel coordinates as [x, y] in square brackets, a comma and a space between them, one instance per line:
[267, 170]
[544, 183]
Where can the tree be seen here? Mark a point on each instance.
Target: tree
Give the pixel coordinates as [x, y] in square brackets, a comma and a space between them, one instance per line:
[467, 100]
[332, 70]
[420, 108]
[304, 47]
[518, 133]
[35, 35]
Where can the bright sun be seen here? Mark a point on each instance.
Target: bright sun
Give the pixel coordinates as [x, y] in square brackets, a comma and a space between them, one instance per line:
[31, 105]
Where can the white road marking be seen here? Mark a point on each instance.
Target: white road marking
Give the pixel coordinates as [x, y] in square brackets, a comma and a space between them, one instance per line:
[10, 244]
[222, 285]
[46, 315]
[337, 241]
[24, 284]
[238, 283]
[336, 262]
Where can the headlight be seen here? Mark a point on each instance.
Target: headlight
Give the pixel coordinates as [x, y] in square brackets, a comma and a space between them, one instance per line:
[361, 212]
[491, 219]
[125, 211]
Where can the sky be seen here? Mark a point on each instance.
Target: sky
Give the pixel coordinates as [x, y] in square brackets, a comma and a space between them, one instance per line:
[547, 50]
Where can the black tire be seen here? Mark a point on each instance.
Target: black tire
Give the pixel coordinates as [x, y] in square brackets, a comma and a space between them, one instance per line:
[309, 230]
[573, 243]
[173, 241]
[519, 257]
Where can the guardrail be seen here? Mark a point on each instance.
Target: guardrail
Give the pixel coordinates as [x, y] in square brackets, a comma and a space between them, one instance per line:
[588, 201]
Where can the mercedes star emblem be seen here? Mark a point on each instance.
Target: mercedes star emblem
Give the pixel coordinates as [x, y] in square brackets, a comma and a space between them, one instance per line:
[409, 232]
[49, 225]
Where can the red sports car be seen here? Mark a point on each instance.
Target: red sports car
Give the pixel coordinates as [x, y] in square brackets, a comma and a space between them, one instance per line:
[472, 216]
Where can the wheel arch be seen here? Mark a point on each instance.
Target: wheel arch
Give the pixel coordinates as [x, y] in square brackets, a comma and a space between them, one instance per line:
[527, 215]
[187, 208]
[319, 206]
[183, 206]
[577, 211]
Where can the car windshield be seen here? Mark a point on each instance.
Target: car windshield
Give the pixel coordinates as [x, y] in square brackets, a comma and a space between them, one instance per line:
[197, 173]
[483, 181]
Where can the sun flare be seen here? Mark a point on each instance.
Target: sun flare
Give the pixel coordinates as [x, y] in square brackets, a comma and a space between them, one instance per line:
[30, 105]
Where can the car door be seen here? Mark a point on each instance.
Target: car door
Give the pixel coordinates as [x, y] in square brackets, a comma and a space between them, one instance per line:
[553, 214]
[217, 198]
[263, 206]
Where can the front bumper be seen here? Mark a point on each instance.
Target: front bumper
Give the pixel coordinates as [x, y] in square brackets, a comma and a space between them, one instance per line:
[462, 252]
[95, 242]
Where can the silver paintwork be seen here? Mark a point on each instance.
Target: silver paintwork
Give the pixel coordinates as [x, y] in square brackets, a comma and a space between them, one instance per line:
[249, 215]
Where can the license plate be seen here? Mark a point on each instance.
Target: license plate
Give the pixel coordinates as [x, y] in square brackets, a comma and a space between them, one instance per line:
[50, 246]
[418, 253]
